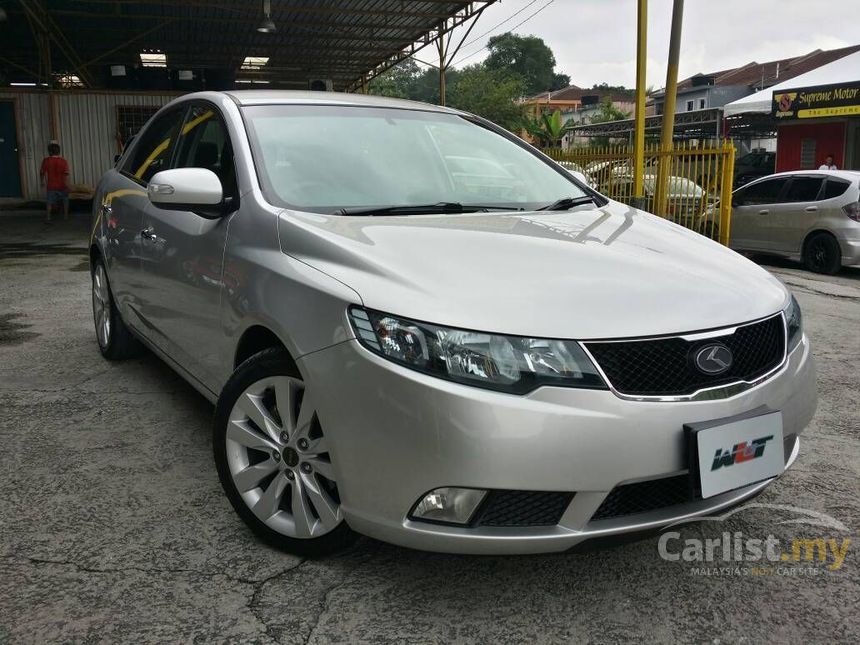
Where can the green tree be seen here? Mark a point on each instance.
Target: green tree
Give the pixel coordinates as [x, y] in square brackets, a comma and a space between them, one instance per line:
[618, 90]
[608, 112]
[527, 56]
[489, 93]
[398, 82]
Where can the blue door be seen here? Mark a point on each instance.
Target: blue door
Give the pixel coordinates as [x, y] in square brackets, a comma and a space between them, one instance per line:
[10, 177]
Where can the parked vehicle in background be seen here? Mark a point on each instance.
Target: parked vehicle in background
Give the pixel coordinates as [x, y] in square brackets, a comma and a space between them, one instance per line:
[685, 198]
[753, 165]
[811, 216]
[433, 334]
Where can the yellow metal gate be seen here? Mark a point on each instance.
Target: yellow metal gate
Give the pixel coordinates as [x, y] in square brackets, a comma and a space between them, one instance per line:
[698, 181]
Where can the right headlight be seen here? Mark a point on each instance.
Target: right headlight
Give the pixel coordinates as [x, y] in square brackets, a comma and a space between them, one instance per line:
[793, 323]
[512, 364]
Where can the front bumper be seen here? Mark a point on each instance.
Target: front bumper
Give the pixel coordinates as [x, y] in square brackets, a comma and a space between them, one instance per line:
[396, 434]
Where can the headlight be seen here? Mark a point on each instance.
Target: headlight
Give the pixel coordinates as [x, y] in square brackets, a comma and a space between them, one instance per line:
[508, 363]
[793, 323]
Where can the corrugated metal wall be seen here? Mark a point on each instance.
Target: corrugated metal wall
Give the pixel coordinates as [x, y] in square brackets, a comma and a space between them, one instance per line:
[86, 130]
[33, 116]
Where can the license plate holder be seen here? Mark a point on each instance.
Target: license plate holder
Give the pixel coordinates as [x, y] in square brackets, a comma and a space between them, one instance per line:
[733, 452]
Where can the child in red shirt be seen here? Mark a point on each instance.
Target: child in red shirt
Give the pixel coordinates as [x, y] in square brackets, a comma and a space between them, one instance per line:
[55, 173]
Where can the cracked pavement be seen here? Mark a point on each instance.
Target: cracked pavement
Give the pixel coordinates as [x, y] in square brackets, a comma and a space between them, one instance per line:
[113, 526]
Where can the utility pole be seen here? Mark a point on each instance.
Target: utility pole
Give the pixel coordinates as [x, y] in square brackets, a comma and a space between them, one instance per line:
[639, 122]
[669, 99]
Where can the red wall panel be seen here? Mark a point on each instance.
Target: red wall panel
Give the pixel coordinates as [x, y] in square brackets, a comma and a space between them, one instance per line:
[829, 139]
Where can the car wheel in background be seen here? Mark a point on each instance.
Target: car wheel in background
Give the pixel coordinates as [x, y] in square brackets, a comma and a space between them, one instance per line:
[821, 254]
[115, 340]
[273, 459]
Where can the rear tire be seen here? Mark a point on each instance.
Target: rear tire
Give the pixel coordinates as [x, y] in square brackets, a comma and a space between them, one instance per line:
[115, 341]
[821, 254]
[273, 458]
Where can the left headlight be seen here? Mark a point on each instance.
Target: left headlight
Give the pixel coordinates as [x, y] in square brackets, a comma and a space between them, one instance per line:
[793, 323]
[507, 363]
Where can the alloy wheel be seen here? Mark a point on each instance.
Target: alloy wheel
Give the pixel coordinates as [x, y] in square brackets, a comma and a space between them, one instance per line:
[279, 461]
[101, 306]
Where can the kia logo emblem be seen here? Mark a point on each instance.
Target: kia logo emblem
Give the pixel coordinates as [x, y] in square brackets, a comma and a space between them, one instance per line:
[713, 359]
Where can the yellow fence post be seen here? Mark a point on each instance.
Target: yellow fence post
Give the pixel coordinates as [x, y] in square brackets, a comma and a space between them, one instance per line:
[728, 162]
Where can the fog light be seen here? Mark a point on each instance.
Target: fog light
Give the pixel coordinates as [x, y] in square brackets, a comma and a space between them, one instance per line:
[451, 505]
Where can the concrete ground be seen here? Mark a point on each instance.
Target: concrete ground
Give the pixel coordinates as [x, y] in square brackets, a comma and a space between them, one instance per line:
[113, 526]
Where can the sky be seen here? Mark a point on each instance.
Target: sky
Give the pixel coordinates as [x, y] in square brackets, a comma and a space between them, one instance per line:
[594, 41]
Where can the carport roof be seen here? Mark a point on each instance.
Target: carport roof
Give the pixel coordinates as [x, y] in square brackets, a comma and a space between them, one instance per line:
[341, 40]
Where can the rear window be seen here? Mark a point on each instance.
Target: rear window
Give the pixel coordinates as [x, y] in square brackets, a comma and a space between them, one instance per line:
[835, 188]
[804, 189]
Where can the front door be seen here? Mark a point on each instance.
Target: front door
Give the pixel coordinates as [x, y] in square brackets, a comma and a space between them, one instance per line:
[10, 176]
[185, 254]
[122, 207]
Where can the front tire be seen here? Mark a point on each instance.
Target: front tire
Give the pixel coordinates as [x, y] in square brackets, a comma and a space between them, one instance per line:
[273, 458]
[821, 254]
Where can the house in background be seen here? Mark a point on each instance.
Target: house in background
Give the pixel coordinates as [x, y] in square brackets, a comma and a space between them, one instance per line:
[715, 89]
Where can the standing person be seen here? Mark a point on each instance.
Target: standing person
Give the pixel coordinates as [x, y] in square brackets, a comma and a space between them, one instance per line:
[828, 164]
[55, 174]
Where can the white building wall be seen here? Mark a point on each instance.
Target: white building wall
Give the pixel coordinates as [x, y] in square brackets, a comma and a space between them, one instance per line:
[84, 124]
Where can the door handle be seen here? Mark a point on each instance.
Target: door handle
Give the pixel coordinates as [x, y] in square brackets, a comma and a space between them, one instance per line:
[149, 234]
[811, 209]
[763, 211]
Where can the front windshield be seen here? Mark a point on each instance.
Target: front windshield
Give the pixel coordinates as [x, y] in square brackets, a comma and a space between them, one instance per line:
[322, 158]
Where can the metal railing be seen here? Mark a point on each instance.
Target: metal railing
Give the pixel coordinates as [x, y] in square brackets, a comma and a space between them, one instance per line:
[688, 185]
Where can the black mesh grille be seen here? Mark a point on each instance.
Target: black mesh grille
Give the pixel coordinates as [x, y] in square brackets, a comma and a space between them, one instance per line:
[665, 366]
[640, 497]
[522, 508]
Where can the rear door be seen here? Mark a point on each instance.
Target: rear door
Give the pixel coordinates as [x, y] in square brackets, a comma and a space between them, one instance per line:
[798, 211]
[184, 253]
[751, 209]
[123, 203]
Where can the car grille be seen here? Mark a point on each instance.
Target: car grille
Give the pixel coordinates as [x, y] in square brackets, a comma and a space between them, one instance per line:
[665, 367]
[641, 497]
[522, 508]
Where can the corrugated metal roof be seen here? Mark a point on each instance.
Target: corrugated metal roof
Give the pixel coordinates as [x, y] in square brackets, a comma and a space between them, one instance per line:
[340, 40]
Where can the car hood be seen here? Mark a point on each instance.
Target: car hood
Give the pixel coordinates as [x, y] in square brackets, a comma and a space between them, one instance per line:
[606, 272]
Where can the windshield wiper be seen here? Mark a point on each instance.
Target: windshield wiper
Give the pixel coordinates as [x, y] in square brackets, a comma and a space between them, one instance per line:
[566, 203]
[424, 209]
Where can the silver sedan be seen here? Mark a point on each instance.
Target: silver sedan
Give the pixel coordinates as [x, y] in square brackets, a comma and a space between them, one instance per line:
[415, 326]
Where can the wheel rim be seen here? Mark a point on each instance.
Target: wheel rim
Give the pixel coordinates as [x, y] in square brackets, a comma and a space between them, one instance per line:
[279, 461]
[818, 254]
[101, 306]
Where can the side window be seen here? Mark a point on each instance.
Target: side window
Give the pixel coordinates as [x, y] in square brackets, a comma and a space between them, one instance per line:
[154, 148]
[205, 143]
[763, 192]
[803, 189]
[834, 188]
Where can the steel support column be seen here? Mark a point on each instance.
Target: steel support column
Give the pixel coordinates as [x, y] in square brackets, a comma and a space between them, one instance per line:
[639, 128]
[669, 99]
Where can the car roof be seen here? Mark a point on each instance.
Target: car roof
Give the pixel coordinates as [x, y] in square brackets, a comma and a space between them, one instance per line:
[850, 175]
[294, 97]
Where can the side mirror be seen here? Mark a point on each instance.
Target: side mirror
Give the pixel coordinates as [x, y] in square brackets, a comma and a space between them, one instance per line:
[188, 189]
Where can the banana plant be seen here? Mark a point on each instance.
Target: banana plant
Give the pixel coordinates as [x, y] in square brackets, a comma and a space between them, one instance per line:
[547, 129]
